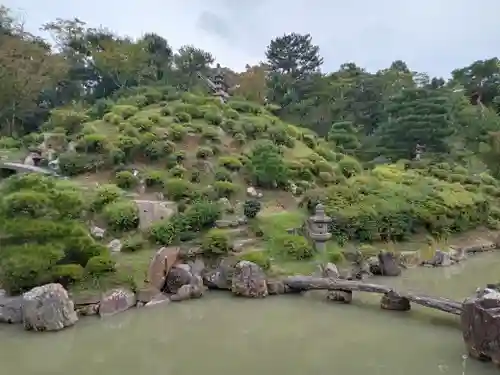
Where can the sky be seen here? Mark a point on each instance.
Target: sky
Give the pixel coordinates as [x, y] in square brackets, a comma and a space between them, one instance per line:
[432, 36]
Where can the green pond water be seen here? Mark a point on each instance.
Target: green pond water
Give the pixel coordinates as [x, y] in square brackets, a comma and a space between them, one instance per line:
[283, 335]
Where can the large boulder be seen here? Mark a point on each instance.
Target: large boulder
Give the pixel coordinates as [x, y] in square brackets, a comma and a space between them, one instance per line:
[249, 280]
[48, 308]
[160, 265]
[480, 323]
[388, 264]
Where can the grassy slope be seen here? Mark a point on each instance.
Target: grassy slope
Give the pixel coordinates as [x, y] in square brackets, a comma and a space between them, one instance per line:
[280, 210]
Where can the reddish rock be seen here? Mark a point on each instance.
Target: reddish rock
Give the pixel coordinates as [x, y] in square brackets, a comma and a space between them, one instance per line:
[480, 320]
[249, 280]
[160, 265]
[116, 301]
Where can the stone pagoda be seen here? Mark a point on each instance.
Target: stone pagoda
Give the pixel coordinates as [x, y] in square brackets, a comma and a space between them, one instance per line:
[318, 228]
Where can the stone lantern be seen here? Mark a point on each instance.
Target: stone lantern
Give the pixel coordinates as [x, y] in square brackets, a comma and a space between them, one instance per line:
[318, 228]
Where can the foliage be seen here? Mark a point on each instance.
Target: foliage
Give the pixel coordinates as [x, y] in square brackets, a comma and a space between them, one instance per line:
[267, 166]
[41, 232]
[126, 179]
[121, 215]
[216, 242]
[259, 257]
[251, 208]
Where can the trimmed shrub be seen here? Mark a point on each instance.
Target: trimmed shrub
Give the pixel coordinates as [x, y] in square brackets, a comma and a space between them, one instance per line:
[216, 242]
[251, 208]
[126, 179]
[100, 265]
[122, 215]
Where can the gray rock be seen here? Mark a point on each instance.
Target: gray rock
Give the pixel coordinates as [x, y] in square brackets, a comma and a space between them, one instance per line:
[183, 293]
[115, 246]
[48, 308]
[178, 276]
[11, 309]
[388, 264]
[330, 271]
[249, 280]
[97, 232]
[374, 265]
[223, 224]
[440, 259]
[158, 299]
[116, 301]
[197, 266]
[226, 205]
[221, 276]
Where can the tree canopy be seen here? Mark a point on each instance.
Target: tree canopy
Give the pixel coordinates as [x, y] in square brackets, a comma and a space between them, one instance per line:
[383, 113]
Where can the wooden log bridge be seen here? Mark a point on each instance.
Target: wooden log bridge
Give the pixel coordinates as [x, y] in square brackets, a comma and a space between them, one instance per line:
[341, 290]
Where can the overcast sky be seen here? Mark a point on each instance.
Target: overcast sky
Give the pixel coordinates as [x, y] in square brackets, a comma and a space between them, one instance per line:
[433, 36]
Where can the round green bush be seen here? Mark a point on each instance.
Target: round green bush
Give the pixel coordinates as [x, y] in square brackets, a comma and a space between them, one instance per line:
[225, 188]
[27, 203]
[100, 265]
[133, 244]
[125, 111]
[166, 111]
[92, 143]
[67, 274]
[104, 195]
[259, 257]
[222, 174]
[213, 117]
[251, 208]
[232, 114]
[177, 132]
[216, 242]
[204, 152]
[178, 189]
[126, 179]
[122, 215]
[230, 162]
[349, 166]
[296, 247]
[154, 179]
[177, 172]
[183, 117]
[210, 133]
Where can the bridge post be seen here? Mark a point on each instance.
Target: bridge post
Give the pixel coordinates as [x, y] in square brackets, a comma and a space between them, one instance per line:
[393, 301]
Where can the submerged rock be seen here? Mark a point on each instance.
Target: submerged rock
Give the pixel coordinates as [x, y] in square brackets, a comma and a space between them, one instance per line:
[480, 322]
[249, 280]
[116, 301]
[48, 308]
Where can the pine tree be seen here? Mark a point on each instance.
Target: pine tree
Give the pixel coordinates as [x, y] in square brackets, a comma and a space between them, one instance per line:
[417, 117]
[343, 134]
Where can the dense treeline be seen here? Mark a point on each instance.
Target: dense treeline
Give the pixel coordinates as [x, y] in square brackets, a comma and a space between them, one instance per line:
[387, 113]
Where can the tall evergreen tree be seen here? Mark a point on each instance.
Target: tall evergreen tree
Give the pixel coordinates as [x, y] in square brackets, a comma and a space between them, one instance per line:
[416, 117]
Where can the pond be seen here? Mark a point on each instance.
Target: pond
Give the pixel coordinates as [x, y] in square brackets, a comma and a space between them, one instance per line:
[292, 335]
